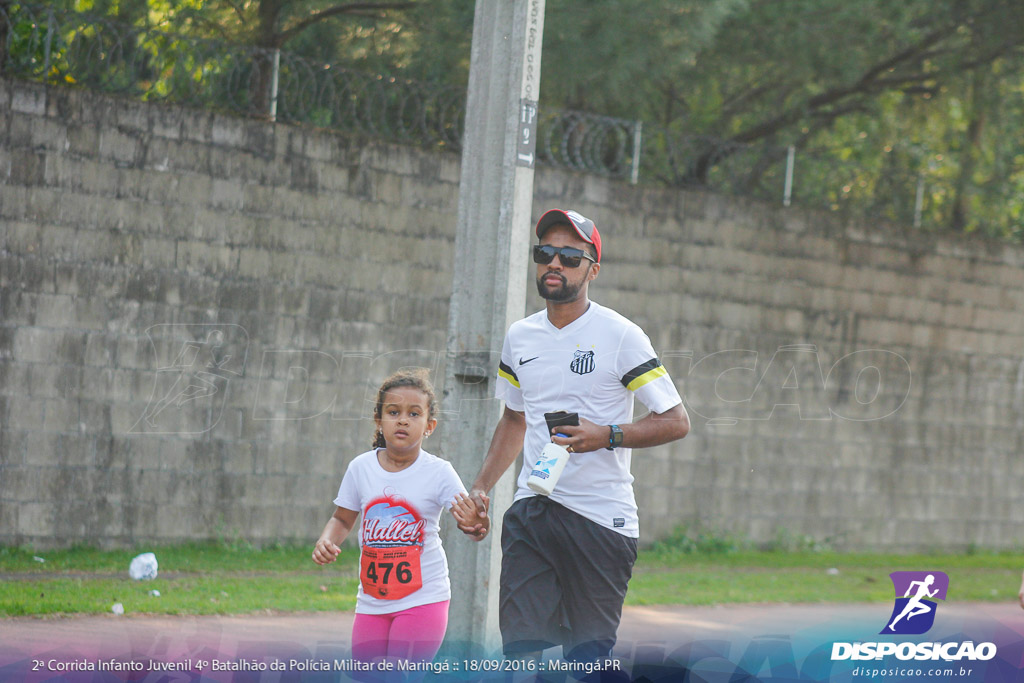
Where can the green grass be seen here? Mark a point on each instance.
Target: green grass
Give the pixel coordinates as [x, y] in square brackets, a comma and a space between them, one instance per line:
[218, 578]
[206, 557]
[203, 578]
[700, 569]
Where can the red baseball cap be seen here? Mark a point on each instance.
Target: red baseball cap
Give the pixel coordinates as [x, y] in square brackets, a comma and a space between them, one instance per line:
[585, 227]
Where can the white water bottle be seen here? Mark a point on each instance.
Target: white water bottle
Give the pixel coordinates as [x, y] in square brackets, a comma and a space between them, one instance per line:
[548, 468]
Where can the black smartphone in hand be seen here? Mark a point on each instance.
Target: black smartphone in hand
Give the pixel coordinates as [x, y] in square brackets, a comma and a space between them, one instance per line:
[559, 418]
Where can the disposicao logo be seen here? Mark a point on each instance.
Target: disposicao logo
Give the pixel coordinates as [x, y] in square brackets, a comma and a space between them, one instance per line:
[914, 612]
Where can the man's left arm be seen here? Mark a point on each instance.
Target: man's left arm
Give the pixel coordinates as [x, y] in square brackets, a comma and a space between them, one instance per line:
[654, 429]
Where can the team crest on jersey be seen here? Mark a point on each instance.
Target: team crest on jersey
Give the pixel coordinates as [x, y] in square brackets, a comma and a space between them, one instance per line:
[582, 362]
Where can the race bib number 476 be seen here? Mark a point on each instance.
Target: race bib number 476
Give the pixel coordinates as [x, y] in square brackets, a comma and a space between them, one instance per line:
[390, 573]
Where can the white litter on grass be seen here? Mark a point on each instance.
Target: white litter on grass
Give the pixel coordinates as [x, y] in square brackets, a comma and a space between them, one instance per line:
[832, 572]
[155, 593]
[117, 608]
[38, 559]
[143, 567]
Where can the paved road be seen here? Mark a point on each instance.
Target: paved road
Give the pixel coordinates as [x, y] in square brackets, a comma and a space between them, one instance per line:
[647, 634]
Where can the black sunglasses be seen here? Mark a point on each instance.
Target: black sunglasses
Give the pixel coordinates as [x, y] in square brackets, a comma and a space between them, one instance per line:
[569, 256]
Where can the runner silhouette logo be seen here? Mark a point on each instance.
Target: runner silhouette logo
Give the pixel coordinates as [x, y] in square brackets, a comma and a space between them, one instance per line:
[916, 592]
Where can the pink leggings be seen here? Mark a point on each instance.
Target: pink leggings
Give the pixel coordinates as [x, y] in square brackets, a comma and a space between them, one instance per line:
[414, 634]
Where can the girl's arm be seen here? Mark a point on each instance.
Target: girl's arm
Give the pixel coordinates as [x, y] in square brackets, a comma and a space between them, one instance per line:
[335, 531]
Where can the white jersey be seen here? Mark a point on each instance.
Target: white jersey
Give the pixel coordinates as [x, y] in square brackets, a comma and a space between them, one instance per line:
[593, 366]
[402, 509]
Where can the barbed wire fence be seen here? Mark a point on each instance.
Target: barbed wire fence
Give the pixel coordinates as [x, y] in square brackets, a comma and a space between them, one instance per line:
[87, 50]
[91, 51]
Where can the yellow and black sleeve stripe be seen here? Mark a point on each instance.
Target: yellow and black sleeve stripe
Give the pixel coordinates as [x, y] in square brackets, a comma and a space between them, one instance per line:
[505, 372]
[643, 373]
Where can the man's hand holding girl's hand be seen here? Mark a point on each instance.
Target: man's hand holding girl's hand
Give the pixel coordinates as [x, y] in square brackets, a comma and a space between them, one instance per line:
[471, 514]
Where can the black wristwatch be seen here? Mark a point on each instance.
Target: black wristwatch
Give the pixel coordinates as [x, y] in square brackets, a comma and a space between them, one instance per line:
[615, 438]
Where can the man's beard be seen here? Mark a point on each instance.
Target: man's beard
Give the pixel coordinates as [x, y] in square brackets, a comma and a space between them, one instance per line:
[561, 294]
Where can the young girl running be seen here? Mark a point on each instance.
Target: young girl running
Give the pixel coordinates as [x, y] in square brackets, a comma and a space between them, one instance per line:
[400, 490]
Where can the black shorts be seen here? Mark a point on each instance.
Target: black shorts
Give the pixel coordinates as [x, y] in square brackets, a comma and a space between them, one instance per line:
[563, 580]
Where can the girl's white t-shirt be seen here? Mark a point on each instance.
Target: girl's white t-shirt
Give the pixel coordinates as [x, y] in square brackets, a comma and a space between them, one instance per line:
[402, 508]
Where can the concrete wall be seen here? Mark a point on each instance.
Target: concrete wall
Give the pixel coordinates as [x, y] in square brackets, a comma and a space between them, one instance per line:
[143, 243]
[196, 310]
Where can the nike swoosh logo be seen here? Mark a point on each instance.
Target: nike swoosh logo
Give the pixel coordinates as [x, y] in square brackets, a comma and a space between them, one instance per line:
[524, 362]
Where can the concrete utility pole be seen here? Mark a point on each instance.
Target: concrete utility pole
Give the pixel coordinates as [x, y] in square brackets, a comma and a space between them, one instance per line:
[489, 283]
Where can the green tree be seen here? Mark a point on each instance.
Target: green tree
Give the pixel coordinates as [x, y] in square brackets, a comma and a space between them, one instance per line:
[886, 102]
[848, 80]
[335, 31]
[267, 24]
